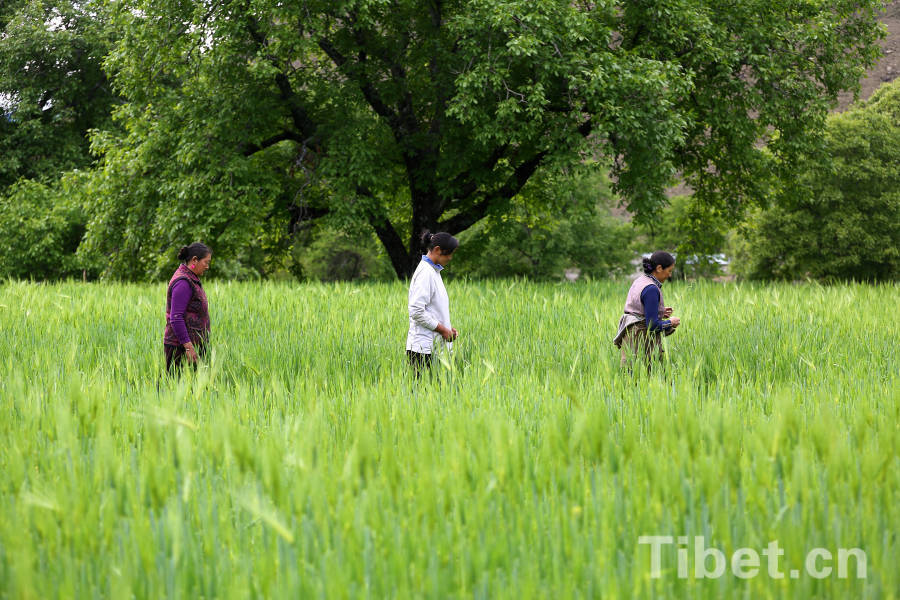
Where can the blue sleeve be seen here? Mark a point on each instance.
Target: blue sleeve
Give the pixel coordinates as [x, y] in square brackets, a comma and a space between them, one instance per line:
[650, 300]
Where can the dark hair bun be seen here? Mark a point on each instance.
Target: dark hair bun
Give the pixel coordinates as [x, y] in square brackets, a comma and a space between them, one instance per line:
[197, 249]
[660, 258]
[447, 242]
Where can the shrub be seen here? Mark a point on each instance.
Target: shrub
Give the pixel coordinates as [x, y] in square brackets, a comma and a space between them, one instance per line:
[695, 233]
[557, 223]
[327, 253]
[40, 230]
[841, 218]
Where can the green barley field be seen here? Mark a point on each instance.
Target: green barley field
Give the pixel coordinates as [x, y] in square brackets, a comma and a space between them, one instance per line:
[303, 461]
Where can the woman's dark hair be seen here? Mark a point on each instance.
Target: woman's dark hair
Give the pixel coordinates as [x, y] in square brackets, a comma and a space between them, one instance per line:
[447, 242]
[659, 258]
[197, 249]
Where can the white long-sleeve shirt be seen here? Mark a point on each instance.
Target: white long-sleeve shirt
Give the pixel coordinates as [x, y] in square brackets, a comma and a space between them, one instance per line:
[429, 305]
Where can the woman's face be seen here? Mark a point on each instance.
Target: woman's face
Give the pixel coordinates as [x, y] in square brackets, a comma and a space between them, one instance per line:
[662, 274]
[437, 255]
[200, 265]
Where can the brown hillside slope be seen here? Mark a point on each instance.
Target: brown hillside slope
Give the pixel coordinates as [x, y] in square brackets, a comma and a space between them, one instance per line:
[888, 68]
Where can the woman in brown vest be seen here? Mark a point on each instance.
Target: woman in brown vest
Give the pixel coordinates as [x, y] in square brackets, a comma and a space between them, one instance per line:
[187, 311]
[646, 317]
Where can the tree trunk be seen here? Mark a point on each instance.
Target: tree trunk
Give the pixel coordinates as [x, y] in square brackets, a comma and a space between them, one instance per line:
[421, 220]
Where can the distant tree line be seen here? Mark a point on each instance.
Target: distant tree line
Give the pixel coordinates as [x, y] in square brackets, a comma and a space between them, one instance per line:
[318, 138]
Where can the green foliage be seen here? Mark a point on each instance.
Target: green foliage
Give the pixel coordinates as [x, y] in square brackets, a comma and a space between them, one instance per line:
[52, 86]
[694, 231]
[40, 229]
[842, 218]
[153, 194]
[416, 114]
[763, 77]
[558, 222]
[52, 91]
[327, 253]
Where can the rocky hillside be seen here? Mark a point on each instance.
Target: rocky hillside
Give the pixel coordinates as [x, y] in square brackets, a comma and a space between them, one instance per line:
[888, 68]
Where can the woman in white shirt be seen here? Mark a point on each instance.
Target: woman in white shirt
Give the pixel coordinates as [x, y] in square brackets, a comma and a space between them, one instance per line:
[430, 330]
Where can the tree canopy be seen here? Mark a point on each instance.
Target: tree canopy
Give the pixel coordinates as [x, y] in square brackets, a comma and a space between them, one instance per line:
[52, 87]
[244, 119]
[841, 220]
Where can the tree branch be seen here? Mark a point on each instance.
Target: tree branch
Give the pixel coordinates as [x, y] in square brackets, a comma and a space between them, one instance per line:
[369, 92]
[301, 214]
[463, 220]
[388, 236]
[511, 187]
[464, 180]
[250, 149]
[467, 186]
[435, 9]
[299, 115]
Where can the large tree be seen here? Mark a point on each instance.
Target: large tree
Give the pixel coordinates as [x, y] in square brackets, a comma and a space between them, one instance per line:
[245, 116]
[53, 88]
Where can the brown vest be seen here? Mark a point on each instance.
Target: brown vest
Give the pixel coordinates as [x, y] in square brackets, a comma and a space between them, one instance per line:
[196, 315]
[634, 308]
[633, 304]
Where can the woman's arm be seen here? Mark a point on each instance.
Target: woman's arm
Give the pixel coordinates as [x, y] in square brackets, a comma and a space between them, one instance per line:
[650, 300]
[181, 295]
[421, 291]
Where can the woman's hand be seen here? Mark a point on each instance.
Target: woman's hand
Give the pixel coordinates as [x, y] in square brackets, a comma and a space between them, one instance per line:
[667, 312]
[449, 334]
[675, 322]
[190, 352]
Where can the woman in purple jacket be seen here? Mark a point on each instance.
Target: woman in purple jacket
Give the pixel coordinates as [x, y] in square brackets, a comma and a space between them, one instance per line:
[646, 317]
[187, 311]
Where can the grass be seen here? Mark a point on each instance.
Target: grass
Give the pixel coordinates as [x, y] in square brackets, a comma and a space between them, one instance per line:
[302, 460]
